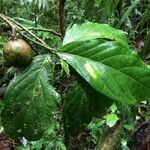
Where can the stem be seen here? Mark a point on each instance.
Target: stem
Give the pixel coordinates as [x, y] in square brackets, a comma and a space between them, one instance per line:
[61, 17]
[13, 35]
[46, 30]
[25, 29]
[39, 41]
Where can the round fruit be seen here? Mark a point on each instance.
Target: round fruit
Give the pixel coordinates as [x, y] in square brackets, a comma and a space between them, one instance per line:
[17, 53]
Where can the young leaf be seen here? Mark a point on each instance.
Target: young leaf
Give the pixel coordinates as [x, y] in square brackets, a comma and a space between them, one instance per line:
[30, 101]
[111, 120]
[65, 67]
[113, 108]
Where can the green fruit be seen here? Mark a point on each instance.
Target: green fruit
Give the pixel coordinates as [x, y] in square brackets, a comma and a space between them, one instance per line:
[17, 53]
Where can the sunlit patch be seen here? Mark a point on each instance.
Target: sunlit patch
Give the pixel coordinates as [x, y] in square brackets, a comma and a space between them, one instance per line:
[148, 66]
[133, 52]
[91, 70]
[92, 34]
[66, 57]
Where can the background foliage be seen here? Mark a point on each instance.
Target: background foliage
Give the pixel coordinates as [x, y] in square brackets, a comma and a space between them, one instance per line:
[52, 74]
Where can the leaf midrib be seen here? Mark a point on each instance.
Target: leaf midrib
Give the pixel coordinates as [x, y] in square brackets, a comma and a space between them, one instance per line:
[108, 67]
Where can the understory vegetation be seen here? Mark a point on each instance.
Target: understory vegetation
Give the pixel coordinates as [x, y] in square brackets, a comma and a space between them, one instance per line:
[74, 75]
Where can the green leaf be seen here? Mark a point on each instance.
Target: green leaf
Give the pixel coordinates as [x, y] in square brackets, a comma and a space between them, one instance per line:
[89, 4]
[100, 54]
[129, 127]
[111, 119]
[145, 15]
[81, 104]
[2, 41]
[65, 67]
[97, 2]
[76, 112]
[98, 103]
[128, 12]
[113, 108]
[128, 113]
[94, 30]
[146, 49]
[25, 22]
[30, 101]
[110, 68]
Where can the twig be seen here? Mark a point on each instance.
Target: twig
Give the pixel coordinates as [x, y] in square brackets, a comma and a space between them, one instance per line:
[45, 46]
[46, 30]
[10, 24]
[27, 40]
[25, 29]
[61, 17]
[39, 41]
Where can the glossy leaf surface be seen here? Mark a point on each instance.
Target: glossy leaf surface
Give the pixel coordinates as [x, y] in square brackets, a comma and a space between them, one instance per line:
[94, 30]
[108, 66]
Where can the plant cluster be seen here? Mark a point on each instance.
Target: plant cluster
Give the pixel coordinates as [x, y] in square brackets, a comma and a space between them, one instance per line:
[60, 86]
